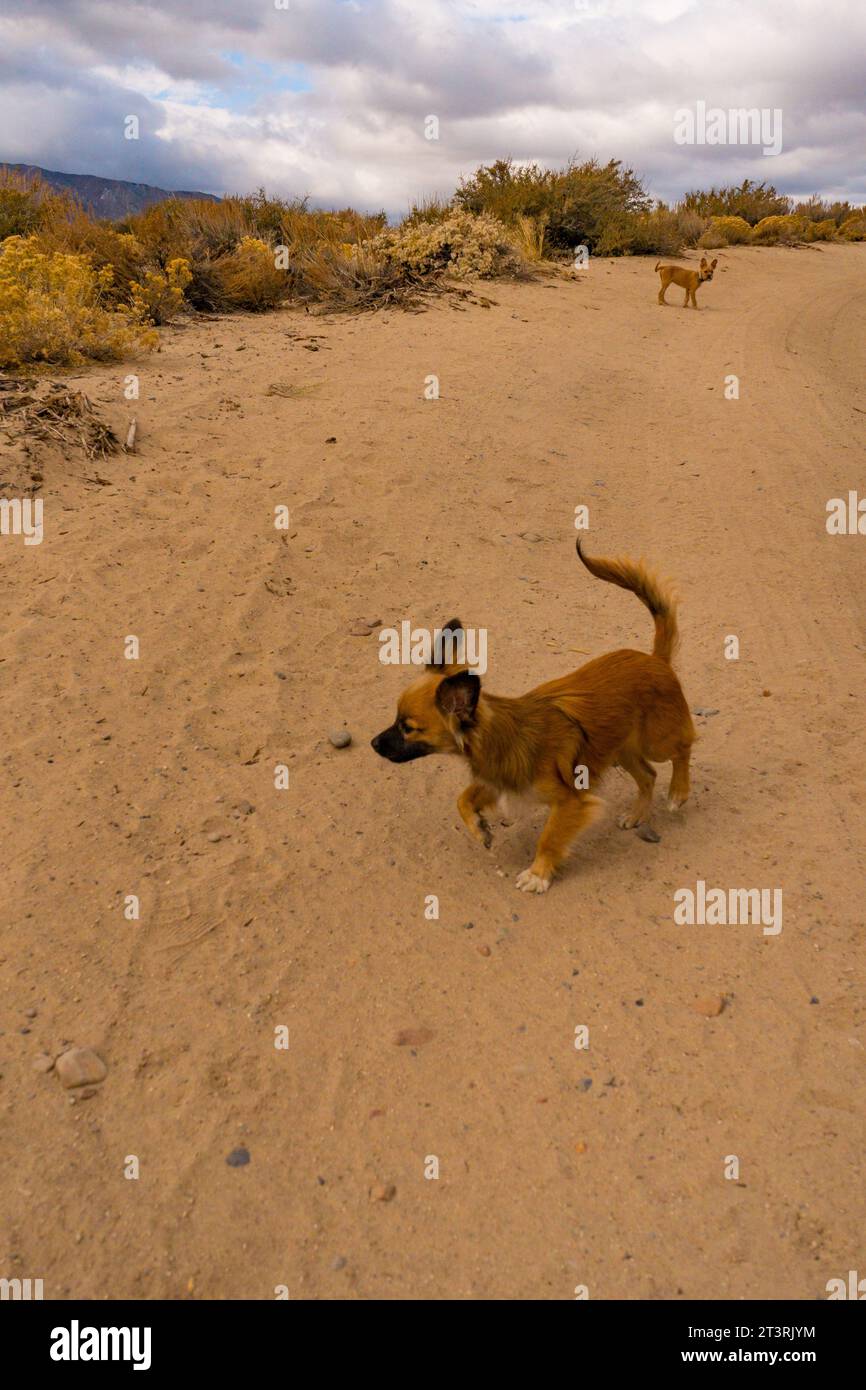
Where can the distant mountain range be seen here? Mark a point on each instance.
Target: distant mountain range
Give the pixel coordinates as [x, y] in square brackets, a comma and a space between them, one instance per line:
[109, 198]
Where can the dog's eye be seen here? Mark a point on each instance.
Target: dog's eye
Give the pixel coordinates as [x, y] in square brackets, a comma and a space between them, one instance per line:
[409, 728]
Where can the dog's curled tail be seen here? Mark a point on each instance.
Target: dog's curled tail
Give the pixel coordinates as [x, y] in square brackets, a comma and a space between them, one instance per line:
[658, 598]
[657, 264]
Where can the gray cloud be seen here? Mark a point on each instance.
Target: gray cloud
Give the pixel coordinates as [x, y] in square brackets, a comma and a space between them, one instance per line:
[329, 97]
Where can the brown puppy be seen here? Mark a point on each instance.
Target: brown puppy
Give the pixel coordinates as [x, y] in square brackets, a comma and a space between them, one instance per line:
[625, 709]
[686, 279]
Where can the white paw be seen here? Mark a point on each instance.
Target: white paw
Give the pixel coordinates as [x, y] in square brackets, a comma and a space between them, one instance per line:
[674, 804]
[627, 822]
[528, 882]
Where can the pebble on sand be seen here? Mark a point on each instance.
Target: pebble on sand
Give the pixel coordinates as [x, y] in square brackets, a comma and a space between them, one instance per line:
[80, 1066]
[709, 1007]
[238, 1158]
[42, 1062]
[413, 1037]
[340, 738]
[383, 1192]
[483, 950]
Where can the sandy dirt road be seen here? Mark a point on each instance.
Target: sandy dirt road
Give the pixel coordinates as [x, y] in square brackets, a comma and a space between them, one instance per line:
[305, 907]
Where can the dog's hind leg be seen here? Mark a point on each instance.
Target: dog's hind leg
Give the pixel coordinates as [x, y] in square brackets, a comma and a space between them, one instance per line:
[644, 775]
[470, 803]
[568, 818]
[678, 791]
[662, 292]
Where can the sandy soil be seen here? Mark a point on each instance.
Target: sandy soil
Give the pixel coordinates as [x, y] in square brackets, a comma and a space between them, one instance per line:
[305, 907]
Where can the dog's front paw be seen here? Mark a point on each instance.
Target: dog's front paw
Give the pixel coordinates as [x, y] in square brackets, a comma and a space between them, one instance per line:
[529, 882]
[627, 821]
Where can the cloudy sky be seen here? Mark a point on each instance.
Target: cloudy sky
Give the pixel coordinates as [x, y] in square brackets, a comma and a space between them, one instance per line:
[331, 98]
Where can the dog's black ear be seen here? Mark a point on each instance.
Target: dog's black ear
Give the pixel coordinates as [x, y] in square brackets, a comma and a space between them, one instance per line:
[447, 650]
[458, 695]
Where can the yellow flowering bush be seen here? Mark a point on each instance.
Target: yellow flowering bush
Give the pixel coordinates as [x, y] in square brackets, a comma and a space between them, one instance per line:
[157, 297]
[854, 228]
[52, 309]
[786, 229]
[249, 277]
[825, 230]
[735, 230]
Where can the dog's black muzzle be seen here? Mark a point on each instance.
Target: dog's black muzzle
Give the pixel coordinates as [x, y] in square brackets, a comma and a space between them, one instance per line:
[392, 745]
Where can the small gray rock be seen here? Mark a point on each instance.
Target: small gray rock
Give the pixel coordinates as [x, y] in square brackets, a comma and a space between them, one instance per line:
[238, 1158]
[340, 738]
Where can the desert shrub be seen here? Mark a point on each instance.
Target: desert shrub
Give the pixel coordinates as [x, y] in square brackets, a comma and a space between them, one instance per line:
[248, 276]
[816, 209]
[300, 227]
[579, 200]
[78, 234]
[506, 190]
[711, 240]
[351, 277]
[265, 216]
[691, 225]
[463, 245]
[528, 236]
[52, 309]
[191, 228]
[780, 231]
[431, 209]
[159, 295]
[854, 228]
[198, 232]
[821, 231]
[27, 204]
[751, 201]
[734, 230]
[656, 232]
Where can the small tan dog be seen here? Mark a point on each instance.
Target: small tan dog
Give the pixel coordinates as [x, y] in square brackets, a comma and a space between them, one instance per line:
[686, 279]
[626, 708]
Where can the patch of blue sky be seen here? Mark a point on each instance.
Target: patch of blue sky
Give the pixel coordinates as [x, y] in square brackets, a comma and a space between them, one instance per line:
[256, 78]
